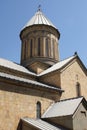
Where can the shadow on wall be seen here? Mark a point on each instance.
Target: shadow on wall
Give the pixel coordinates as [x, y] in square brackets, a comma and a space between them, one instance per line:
[19, 125]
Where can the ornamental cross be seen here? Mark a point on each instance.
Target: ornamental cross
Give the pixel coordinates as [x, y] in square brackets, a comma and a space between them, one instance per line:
[39, 7]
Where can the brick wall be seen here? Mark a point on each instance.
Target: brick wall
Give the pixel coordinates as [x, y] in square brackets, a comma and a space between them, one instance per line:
[52, 78]
[17, 102]
[69, 76]
[80, 118]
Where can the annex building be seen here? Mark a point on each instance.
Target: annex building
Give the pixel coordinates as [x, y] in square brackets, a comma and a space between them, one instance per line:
[42, 92]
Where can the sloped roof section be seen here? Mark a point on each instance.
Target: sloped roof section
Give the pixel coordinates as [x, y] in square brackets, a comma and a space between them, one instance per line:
[39, 18]
[63, 108]
[57, 66]
[40, 124]
[16, 78]
[14, 66]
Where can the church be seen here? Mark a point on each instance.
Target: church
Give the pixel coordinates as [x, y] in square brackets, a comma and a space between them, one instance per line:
[42, 92]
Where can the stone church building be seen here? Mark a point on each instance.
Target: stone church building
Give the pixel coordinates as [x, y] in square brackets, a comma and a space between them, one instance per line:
[42, 92]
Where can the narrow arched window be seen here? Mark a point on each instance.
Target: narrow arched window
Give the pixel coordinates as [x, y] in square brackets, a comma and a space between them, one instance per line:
[31, 41]
[47, 47]
[25, 47]
[38, 109]
[53, 47]
[38, 47]
[78, 89]
[23, 51]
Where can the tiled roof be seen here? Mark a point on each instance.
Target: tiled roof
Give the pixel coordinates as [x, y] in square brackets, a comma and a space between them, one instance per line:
[8, 76]
[57, 66]
[40, 124]
[14, 66]
[39, 18]
[63, 108]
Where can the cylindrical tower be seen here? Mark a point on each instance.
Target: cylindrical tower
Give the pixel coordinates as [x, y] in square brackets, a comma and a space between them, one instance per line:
[39, 42]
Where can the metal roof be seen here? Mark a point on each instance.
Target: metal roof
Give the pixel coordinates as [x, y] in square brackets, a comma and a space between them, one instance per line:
[63, 108]
[14, 66]
[57, 66]
[39, 18]
[8, 76]
[40, 124]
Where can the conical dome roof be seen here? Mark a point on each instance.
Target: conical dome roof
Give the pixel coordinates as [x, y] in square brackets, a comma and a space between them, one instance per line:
[38, 19]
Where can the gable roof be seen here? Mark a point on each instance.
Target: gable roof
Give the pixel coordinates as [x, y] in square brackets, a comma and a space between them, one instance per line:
[63, 64]
[40, 124]
[63, 108]
[14, 66]
[28, 81]
[57, 66]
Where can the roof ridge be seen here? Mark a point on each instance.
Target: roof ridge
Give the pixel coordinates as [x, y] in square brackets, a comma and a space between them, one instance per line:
[70, 99]
[56, 66]
[8, 60]
[73, 56]
[21, 79]
[14, 66]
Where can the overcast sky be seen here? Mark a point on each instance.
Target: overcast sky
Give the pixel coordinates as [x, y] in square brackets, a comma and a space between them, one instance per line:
[69, 17]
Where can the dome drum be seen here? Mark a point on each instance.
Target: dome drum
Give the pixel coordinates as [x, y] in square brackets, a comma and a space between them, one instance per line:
[40, 42]
[34, 28]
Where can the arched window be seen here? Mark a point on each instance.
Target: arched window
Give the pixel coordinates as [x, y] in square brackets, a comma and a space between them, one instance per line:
[25, 47]
[78, 89]
[47, 47]
[53, 47]
[23, 51]
[38, 47]
[38, 109]
[52, 44]
[31, 41]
